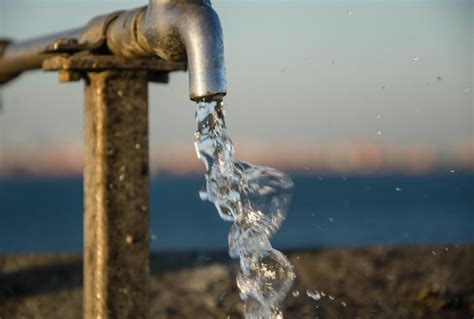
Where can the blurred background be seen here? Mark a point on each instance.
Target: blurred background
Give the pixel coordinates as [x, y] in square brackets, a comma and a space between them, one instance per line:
[367, 104]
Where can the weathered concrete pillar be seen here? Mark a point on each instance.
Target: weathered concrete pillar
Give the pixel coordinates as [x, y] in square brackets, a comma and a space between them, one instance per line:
[116, 255]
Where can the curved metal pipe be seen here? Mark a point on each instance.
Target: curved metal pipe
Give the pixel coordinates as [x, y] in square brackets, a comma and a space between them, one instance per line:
[172, 27]
[176, 30]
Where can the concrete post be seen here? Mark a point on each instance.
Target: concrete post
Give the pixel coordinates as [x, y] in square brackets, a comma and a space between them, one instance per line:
[116, 177]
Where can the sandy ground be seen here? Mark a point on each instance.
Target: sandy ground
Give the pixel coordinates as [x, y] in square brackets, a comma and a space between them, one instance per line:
[379, 282]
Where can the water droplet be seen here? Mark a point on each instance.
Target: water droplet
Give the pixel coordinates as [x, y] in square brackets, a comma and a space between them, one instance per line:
[438, 78]
[295, 293]
[433, 252]
[138, 146]
[467, 90]
[415, 58]
[153, 237]
[333, 62]
[331, 219]
[315, 295]
[452, 171]
[379, 132]
[331, 297]
[349, 12]
[306, 168]
[343, 304]
[378, 116]
[446, 248]
[129, 239]
[398, 189]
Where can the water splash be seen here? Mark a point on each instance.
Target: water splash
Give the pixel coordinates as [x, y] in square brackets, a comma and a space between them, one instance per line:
[255, 199]
[315, 295]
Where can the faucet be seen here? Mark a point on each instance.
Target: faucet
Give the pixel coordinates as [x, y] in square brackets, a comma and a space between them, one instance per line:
[118, 54]
[173, 30]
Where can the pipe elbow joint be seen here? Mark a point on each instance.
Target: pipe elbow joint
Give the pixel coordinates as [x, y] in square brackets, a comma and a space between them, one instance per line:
[179, 30]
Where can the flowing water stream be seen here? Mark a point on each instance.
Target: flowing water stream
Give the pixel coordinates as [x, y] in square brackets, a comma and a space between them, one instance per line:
[256, 200]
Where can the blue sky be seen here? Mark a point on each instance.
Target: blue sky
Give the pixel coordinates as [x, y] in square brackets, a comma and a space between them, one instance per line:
[398, 73]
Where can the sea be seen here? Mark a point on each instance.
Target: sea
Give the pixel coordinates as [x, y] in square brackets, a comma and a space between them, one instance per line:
[45, 214]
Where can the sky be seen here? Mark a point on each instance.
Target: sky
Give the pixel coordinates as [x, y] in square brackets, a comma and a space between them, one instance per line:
[394, 74]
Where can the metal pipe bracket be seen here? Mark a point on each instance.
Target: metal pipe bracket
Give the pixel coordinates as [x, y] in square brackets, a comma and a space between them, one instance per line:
[74, 67]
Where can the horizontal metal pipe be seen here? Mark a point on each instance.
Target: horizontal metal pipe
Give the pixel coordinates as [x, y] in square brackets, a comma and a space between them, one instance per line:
[174, 30]
[38, 45]
[28, 55]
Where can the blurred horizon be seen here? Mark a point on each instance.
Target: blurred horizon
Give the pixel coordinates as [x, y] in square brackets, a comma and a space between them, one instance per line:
[180, 159]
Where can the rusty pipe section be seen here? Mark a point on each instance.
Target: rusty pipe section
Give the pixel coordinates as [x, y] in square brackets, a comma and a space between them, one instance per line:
[20, 56]
[173, 30]
[176, 30]
[16, 57]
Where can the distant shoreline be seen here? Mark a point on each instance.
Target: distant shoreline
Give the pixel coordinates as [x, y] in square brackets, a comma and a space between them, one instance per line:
[436, 171]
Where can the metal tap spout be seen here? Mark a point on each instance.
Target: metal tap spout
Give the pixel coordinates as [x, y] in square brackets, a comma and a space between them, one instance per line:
[197, 25]
[176, 30]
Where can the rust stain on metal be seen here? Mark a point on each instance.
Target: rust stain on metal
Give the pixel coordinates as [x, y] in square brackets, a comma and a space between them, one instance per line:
[68, 76]
[109, 62]
[72, 67]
